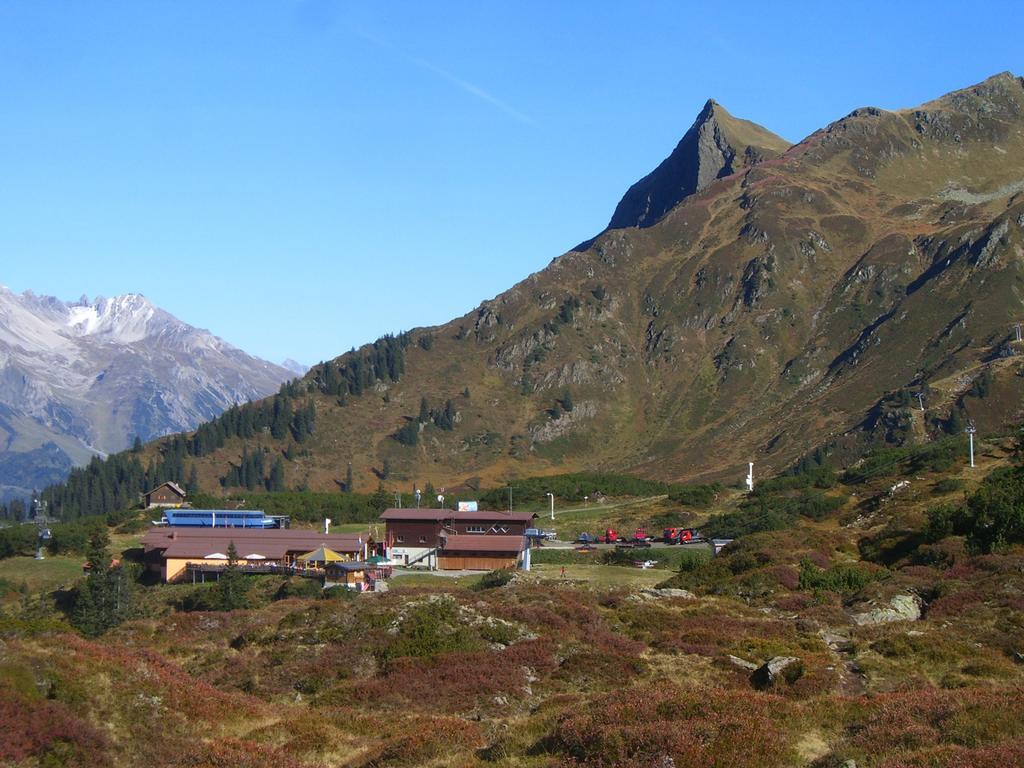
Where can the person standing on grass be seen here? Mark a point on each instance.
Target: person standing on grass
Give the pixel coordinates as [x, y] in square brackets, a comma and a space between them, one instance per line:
[563, 572]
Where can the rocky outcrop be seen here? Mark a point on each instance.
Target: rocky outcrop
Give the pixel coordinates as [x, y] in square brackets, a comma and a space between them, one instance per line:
[776, 670]
[716, 145]
[900, 608]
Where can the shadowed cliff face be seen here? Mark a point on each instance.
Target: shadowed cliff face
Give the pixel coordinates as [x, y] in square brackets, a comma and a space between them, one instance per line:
[716, 145]
[794, 302]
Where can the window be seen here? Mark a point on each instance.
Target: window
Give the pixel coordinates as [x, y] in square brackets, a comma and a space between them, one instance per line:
[399, 539]
[475, 529]
[423, 539]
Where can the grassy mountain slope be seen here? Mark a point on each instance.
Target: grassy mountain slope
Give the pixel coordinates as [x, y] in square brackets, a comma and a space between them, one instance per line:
[793, 304]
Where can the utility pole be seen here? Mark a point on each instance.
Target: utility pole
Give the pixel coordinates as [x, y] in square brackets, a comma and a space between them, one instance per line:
[750, 477]
[971, 430]
[920, 399]
[43, 534]
[552, 497]
[1018, 331]
[510, 499]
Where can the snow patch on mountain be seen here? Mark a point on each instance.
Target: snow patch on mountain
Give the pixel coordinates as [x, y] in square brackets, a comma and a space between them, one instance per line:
[106, 370]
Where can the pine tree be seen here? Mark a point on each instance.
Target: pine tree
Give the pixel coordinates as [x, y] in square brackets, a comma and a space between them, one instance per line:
[106, 597]
[424, 416]
[192, 486]
[567, 401]
[276, 480]
[349, 483]
[232, 590]
[955, 425]
[97, 551]
[137, 445]
[385, 471]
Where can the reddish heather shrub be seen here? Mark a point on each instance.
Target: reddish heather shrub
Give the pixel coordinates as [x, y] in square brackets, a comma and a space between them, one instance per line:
[793, 603]
[425, 740]
[904, 722]
[820, 559]
[784, 575]
[921, 573]
[994, 756]
[650, 725]
[47, 732]
[455, 682]
[956, 604]
[235, 753]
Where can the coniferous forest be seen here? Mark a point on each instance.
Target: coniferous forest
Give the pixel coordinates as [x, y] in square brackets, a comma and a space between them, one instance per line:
[119, 480]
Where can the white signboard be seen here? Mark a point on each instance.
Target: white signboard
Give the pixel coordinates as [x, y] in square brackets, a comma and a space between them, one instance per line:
[467, 506]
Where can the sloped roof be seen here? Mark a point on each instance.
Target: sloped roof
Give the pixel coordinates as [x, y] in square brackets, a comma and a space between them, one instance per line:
[271, 543]
[173, 486]
[484, 543]
[321, 555]
[485, 516]
[429, 515]
[437, 515]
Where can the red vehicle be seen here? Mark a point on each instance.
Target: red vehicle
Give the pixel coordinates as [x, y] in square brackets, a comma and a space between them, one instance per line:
[640, 534]
[679, 535]
[610, 536]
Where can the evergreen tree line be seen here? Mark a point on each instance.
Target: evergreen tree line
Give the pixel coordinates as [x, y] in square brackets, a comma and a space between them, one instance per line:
[279, 415]
[442, 418]
[250, 473]
[16, 511]
[384, 361]
[114, 483]
[118, 481]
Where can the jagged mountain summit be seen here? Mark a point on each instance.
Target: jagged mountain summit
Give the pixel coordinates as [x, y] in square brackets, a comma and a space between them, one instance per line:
[717, 145]
[752, 306]
[82, 378]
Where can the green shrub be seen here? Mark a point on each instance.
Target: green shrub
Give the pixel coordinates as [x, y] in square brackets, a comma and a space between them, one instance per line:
[948, 485]
[844, 579]
[297, 586]
[497, 578]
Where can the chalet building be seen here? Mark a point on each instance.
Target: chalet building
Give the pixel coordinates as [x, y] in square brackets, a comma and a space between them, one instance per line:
[169, 551]
[165, 495]
[426, 537]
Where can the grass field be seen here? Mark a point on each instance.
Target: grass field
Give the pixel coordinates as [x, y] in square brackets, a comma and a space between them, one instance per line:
[41, 575]
[600, 575]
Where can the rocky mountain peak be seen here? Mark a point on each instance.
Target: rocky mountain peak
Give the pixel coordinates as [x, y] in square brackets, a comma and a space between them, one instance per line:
[87, 376]
[716, 145]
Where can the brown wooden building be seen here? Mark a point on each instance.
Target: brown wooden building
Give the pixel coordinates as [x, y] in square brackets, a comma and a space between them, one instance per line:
[416, 535]
[480, 552]
[169, 551]
[165, 495]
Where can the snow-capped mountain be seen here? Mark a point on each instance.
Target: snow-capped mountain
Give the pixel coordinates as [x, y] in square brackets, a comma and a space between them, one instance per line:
[84, 378]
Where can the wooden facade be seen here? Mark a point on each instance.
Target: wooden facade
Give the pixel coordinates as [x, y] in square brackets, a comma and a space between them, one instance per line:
[165, 495]
[469, 562]
[489, 526]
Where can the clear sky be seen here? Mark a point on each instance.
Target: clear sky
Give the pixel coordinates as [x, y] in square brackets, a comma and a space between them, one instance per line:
[303, 176]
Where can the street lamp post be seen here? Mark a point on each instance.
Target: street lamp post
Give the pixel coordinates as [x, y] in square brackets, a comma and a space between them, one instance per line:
[552, 497]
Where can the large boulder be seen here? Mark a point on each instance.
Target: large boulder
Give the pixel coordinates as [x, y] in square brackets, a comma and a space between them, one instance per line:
[777, 669]
[900, 608]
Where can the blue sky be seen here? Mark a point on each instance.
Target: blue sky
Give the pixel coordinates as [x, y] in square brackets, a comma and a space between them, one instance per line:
[303, 176]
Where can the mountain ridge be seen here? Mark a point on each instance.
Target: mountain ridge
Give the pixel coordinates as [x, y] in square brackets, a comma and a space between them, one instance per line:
[795, 304]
